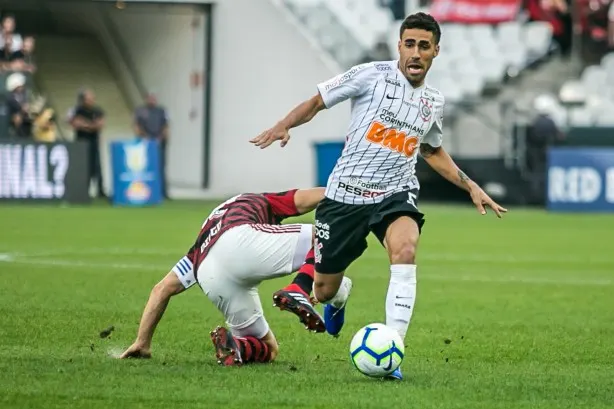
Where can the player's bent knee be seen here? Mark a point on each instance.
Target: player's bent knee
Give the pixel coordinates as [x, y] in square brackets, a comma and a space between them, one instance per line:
[404, 253]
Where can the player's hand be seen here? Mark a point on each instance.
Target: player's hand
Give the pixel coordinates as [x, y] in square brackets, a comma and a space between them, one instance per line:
[481, 200]
[277, 133]
[136, 350]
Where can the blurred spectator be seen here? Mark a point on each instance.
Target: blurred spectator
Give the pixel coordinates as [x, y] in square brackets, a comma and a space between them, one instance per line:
[542, 134]
[44, 126]
[11, 43]
[558, 14]
[17, 103]
[23, 60]
[396, 6]
[87, 119]
[151, 122]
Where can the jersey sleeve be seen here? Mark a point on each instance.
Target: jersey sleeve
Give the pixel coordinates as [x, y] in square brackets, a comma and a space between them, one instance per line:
[352, 83]
[184, 270]
[434, 137]
[282, 203]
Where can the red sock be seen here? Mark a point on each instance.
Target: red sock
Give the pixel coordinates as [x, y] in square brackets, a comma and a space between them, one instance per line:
[252, 349]
[303, 280]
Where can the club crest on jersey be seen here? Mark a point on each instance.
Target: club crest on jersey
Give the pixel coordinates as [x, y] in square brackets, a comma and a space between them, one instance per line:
[425, 109]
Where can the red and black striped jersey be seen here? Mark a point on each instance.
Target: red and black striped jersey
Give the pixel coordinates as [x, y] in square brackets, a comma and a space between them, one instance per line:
[248, 208]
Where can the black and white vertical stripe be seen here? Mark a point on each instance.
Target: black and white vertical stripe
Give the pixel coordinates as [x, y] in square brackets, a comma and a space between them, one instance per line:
[373, 163]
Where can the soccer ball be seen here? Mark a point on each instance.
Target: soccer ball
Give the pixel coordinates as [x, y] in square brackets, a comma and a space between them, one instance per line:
[377, 350]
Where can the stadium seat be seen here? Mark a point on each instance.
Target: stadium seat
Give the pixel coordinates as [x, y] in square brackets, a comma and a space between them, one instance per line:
[450, 89]
[316, 19]
[594, 79]
[512, 45]
[392, 38]
[493, 70]
[580, 117]
[605, 120]
[607, 62]
[538, 37]
[549, 104]
[367, 22]
[453, 32]
[509, 33]
[515, 57]
[600, 106]
[302, 8]
[572, 92]
[479, 32]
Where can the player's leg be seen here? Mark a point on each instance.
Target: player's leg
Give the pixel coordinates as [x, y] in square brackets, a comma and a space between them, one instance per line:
[275, 251]
[295, 297]
[267, 251]
[341, 232]
[303, 280]
[248, 338]
[245, 339]
[397, 224]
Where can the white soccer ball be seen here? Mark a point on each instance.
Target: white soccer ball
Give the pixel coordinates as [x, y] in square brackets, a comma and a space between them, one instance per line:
[377, 350]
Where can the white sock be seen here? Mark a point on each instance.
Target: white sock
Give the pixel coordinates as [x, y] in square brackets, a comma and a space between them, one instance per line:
[401, 297]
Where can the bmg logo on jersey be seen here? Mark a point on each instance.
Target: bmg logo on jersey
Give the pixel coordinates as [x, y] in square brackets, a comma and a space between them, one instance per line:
[392, 139]
[322, 230]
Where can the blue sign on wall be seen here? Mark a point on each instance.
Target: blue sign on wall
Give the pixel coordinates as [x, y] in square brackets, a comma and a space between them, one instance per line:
[327, 154]
[136, 173]
[581, 179]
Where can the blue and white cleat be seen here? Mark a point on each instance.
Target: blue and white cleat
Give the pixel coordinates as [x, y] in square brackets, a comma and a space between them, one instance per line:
[396, 375]
[334, 313]
[334, 318]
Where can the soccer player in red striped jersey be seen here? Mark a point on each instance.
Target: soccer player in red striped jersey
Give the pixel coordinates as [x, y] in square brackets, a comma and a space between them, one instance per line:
[241, 244]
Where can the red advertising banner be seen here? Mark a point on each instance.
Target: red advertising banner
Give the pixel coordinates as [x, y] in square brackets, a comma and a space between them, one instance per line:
[475, 11]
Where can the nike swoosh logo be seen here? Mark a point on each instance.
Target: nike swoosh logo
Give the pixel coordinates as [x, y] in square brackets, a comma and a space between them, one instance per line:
[400, 298]
[389, 97]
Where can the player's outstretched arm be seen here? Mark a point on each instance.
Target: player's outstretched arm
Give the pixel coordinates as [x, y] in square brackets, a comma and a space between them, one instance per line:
[154, 310]
[302, 113]
[307, 199]
[442, 163]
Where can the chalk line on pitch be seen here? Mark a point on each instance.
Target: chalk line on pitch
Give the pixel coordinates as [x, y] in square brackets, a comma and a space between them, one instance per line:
[460, 277]
[424, 255]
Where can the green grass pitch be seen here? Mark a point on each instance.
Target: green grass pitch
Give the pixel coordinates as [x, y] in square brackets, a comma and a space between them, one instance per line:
[512, 313]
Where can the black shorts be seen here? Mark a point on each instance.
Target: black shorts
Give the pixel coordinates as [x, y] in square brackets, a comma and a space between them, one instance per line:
[342, 229]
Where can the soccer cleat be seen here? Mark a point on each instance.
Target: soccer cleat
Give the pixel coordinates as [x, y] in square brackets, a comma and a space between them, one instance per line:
[396, 375]
[298, 304]
[334, 316]
[226, 349]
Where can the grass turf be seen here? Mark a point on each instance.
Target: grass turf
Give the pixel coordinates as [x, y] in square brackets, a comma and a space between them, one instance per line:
[512, 313]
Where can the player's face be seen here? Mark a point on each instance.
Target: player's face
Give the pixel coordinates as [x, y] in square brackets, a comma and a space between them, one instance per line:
[417, 49]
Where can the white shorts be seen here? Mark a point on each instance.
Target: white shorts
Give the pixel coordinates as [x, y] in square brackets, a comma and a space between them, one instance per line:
[242, 258]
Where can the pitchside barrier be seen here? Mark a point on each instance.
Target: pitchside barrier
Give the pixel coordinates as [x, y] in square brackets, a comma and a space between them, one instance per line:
[580, 179]
[44, 172]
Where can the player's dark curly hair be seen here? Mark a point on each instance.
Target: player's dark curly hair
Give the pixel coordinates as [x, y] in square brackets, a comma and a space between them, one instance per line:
[422, 21]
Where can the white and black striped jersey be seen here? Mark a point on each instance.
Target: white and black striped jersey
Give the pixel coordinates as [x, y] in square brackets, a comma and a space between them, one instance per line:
[390, 119]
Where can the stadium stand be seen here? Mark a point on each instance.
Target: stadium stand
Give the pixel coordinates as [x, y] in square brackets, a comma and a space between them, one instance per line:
[350, 30]
[593, 95]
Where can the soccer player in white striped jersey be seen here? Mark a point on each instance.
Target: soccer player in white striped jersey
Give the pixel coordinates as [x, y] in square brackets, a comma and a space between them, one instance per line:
[373, 187]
